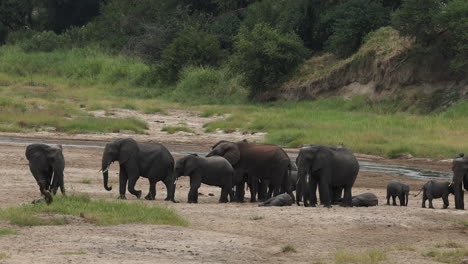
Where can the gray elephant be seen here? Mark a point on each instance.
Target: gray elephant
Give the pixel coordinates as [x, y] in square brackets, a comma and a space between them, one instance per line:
[396, 188]
[251, 162]
[46, 164]
[460, 179]
[434, 190]
[216, 171]
[283, 199]
[330, 169]
[365, 200]
[149, 160]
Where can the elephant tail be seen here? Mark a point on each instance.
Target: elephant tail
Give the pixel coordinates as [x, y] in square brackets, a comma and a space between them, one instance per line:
[419, 191]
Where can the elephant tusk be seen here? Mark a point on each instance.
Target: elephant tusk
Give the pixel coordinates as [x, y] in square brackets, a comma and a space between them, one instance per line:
[104, 171]
[176, 180]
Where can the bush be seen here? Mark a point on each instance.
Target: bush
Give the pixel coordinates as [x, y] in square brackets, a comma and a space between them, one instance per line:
[190, 47]
[265, 57]
[351, 21]
[46, 41]
[200, 85]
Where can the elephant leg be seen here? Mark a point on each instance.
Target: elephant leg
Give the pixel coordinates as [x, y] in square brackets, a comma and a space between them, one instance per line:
[324, 193]
[424, 200]
[240, 192]
[43, 189]
[152, 189]
[122, 183]
[430, 202]
[446, 201]
[170, 188]
[394, 200]
[262, 191]
[388, 198]
[195, 183]
[224, 194]
[55, 184]
[132, 180]
[253, 189]
[347, 197]
[401, 197]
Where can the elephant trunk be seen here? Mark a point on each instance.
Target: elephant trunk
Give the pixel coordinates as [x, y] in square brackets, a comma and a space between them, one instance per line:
[105, 174]
[301, 188]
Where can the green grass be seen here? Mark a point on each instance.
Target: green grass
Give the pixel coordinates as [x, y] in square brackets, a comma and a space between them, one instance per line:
[80, 252]
[461, 221]
[86, 181]
[129, 106]
[256, 217]
[99, 212]
[449, 244]
[454, 256]
[7, 231]
[368, 257]
[356, 124]
[402, 248]
[174, 129]
[154, 110]
[4, 256]
[288, 249]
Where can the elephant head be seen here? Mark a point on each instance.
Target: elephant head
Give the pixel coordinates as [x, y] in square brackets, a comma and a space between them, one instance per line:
[121, 150]
[460, 175]
[228, 150]
[184, 166]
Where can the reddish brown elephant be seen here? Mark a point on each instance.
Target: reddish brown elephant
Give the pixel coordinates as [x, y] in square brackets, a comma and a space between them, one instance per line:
[268, 163]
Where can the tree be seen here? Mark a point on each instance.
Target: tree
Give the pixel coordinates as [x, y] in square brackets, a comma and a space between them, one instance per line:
[351, 21]
[265, 57]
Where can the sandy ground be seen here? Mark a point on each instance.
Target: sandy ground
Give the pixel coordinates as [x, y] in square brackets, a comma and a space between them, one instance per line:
[221, 233]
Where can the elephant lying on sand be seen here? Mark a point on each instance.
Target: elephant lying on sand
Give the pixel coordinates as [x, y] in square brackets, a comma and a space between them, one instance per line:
[216, 171]
[46, 164]
[396, 188]
[283, 199]
[434, 190]
[365, 200]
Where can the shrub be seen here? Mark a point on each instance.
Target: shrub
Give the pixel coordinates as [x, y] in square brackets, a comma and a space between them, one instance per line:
[200, 85]
[265, 57]
[190, 47]
[45, 41]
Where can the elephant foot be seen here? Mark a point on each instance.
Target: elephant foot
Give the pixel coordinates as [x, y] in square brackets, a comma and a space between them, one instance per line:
[122, 197]
[150, 197]
[48, 197]
[174, 201]
[327, 206]
[37, 201]
[138, 194]
[168, 199]
[191, 201]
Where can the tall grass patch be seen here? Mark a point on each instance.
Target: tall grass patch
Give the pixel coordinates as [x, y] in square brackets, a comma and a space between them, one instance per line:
[8, 231]
[99, 212]
[363, 129]
[453, 256]
[200, 85]
[368, 257]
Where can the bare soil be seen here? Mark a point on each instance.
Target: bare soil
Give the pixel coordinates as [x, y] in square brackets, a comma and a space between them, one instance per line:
[220, 233]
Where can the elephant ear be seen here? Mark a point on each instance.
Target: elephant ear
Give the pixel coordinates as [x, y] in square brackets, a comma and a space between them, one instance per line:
[322, 158]
[128, 149]
[232, 153]
[52, 153]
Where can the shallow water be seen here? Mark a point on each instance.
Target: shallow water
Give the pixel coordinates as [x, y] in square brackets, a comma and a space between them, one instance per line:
[415, 173]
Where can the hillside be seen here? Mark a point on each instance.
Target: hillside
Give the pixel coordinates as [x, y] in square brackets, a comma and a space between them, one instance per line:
[386, 69]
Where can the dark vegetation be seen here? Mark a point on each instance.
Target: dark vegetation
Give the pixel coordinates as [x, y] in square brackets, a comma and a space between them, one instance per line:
[248, 43]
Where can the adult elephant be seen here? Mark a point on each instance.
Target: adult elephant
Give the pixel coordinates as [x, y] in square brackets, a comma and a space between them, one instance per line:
[148, 160]
[329, 168]
[268, 163]
[460, 176]
[46, 164]
[216, 171]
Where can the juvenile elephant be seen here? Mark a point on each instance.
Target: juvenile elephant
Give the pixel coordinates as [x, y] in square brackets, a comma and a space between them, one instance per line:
[434, 190]
[268, 163]
[365, 200]
[283, 199]
[216, 171]
[460, 179]
[148, 160]
[46, 164]
[396, 188]
[330, 169]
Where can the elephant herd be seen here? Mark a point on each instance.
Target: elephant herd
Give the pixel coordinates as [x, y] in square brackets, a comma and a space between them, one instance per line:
[267, 170]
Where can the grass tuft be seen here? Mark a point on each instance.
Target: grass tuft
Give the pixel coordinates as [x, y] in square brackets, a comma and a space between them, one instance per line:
[448, 256]
[80, 252]
[403, 248]
[174, 129]
[7, 231]
[4, 256]
[256, 217]
[449, 244]
[86, 181]
[154, 110]
[288, 248]
[368, 257]
[99, 212]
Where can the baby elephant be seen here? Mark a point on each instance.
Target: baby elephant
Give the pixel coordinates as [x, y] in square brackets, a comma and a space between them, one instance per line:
[283, 199]
[433, 190]
[365, 200]
[216, 171]
[396, 188]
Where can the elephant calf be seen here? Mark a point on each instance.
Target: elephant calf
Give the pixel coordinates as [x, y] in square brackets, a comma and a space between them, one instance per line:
[365, 200]
[396, 188]
[434, 190]
[216, 171]
[283, 199]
